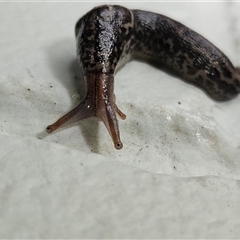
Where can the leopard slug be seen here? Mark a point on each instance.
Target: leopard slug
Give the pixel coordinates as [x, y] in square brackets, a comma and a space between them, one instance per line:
[110, 35]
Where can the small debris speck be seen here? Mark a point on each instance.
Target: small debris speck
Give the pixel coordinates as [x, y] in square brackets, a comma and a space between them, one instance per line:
[179, 103]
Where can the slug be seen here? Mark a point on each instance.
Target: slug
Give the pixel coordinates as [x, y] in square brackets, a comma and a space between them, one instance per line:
[110, 35]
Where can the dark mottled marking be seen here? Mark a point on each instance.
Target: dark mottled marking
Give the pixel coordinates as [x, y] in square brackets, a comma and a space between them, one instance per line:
[237, 82]
[200, 80]
[209, 84]
[191, 70]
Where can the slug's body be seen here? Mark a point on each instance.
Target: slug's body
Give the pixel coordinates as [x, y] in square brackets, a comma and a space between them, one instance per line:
[109, 36]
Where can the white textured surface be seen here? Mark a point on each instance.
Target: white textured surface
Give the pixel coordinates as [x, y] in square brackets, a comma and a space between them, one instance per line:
[178, 173]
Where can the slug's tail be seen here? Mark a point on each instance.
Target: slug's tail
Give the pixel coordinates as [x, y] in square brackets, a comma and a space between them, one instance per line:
[82, 111]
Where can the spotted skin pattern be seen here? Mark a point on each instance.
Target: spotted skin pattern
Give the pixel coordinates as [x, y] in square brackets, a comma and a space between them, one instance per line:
[186, 53]
[108, 36]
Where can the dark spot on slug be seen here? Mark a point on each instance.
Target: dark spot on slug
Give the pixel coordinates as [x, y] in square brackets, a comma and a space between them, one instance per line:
[225, 71]
[209, 83]
[237, 83]
[200, 80]
[191, 70]
[227, 87]
[166, 47]
[180, 61]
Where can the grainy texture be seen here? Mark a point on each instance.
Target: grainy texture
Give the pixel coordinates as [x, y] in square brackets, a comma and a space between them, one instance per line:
[109, 36]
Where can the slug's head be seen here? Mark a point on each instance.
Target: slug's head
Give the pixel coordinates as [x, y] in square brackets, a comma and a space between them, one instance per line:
[102, 35]
[99, 102]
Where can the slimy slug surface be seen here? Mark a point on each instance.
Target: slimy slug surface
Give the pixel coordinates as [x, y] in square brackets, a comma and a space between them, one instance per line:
[109, 36]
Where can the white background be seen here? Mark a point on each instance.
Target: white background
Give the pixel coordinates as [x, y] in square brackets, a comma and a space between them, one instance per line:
[178, 173]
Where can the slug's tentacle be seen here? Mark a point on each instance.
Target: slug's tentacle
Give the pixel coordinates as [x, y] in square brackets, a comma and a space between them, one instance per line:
[82, 111]
[104, 104]
[120, 113]
[109, 36]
